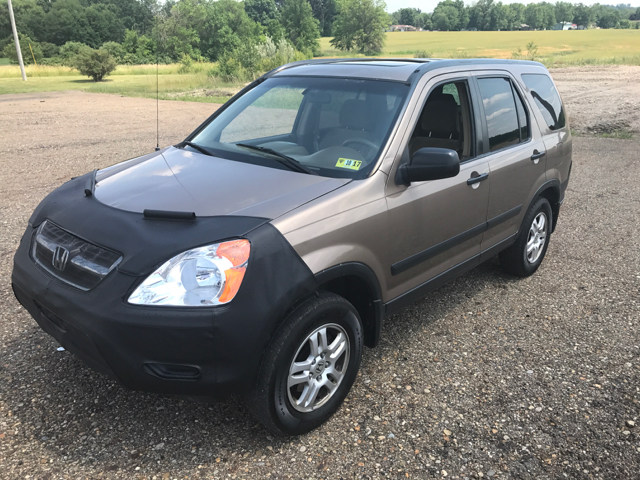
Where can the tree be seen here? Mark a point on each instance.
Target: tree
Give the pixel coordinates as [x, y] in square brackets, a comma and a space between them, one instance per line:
[451, 15]
[582, 15]
[29, 18]
[9, 51]
[66, 21]
[515, 16]
[480, 15]
[360, 26]
[548, 15]
[499, 17]
[564, 12]
[609, 18]
[325, 12]
[533, 16]
[300, 25]
[424, 21]
[408, 16]
[96, 64]
[261, 11]
[445, 17]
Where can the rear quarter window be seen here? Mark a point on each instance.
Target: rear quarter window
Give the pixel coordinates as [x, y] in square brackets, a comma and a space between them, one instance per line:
[547, 99]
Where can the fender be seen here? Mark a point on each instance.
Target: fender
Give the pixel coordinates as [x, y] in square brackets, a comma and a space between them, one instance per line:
[554, 184]
[371, 309]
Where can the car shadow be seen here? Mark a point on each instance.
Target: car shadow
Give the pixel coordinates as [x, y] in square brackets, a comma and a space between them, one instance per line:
[80, 415]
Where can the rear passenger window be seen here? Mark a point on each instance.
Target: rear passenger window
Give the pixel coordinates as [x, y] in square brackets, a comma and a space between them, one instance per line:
[500, 112]
[547, 99]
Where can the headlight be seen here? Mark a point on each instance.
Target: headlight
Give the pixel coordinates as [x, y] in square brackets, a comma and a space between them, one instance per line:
[203, 276]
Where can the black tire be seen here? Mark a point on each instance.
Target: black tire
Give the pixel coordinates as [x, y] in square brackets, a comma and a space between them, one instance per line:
[269, 401]
[514, 259]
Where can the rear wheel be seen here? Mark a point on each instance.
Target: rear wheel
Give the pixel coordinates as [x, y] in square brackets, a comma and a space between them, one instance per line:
[525, 256]
[309, 367]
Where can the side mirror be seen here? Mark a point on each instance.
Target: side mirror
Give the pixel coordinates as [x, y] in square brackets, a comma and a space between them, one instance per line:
[429, 163]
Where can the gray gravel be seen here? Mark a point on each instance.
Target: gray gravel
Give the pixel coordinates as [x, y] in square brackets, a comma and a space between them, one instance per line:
[488, 377]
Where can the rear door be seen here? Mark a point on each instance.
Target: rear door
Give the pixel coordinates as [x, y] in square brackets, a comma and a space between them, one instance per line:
[515, 152]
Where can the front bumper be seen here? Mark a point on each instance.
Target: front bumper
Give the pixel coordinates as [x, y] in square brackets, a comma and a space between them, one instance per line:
[209, 351]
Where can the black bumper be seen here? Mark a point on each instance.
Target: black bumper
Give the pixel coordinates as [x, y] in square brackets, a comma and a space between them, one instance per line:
[210, 351]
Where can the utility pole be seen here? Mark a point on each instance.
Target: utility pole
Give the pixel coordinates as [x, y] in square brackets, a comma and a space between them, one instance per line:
[15, 37]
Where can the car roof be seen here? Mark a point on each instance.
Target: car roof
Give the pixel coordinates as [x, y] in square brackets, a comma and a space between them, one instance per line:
[389, 69]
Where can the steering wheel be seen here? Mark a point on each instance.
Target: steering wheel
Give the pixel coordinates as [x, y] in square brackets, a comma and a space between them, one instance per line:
[361, 141]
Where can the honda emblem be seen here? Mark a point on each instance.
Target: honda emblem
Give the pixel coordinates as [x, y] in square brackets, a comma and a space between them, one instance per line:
[60, 258]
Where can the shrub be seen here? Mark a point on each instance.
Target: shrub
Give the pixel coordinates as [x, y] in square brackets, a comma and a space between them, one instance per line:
[228, 68]
[96, 64]
[116, 50]
[422, 54]
[49, 50]
[186, 63]
[532, 53]
[9, 50]
[70, 50]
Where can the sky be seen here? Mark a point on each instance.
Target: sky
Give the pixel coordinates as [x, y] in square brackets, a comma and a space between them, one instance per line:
[429, 5]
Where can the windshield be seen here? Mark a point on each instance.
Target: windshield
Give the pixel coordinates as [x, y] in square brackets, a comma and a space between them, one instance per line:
[326, 126]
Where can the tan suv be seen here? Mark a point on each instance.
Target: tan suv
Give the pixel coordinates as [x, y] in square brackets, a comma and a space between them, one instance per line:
[259, 255]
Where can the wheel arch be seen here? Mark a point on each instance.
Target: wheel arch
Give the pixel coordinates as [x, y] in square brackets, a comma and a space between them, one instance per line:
[357, 283]
[551, 191]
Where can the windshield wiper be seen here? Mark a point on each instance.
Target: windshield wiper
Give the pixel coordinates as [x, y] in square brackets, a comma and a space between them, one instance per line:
[200, 148]
[290, 162]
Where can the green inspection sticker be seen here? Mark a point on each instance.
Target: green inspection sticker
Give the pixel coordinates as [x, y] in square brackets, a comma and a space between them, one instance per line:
[348, 163]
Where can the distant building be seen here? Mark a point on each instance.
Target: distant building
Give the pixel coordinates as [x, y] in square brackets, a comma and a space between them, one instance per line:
[403, 28]
[524, 26]
[565, 26]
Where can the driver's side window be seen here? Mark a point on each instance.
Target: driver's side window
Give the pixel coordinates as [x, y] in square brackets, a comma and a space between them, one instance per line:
[446, 121]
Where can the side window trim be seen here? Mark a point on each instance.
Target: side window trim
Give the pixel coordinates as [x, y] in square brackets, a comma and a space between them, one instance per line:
[485, 132]
[520, 97]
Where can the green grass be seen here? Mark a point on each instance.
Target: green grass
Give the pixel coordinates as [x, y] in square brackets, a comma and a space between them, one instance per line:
[13, 71]
[624, 134]
[204, 87]
[556, 48]
[4, 61]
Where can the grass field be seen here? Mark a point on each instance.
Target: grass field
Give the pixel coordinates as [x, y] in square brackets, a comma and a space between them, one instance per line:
[556, 48]
[170, 86]
[4, 61]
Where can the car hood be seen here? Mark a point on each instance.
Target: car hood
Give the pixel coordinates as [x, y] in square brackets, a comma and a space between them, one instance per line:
[179, 180]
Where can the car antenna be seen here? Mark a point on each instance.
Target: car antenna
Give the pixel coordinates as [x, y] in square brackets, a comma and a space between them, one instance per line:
[157, 91]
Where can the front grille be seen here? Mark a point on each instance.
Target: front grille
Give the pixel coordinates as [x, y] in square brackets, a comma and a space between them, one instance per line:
[71, 259]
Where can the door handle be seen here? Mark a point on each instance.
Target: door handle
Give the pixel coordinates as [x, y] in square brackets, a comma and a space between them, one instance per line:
[477, 178]
[537, 155]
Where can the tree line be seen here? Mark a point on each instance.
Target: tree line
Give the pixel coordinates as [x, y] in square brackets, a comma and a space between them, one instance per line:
[451, 15]
[246, 34]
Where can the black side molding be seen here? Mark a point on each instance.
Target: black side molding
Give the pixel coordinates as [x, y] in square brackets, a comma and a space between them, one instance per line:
[431, 252]
[168, 215]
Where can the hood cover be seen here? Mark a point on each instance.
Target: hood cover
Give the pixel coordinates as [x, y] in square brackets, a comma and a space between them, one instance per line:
[184, 181]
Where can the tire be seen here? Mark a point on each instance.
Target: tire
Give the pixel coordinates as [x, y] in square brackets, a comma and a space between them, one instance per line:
[523, 257]
[287, 410]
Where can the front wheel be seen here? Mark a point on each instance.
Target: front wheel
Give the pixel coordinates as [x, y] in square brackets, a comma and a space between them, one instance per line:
[525, 256]
[309, 367]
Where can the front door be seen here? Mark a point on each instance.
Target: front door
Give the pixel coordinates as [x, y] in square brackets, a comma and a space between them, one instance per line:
[439, 223]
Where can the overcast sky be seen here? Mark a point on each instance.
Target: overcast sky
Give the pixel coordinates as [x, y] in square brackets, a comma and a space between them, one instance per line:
[429, 5]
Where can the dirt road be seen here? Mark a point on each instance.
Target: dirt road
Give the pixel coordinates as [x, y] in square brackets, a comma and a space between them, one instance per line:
[488, 377]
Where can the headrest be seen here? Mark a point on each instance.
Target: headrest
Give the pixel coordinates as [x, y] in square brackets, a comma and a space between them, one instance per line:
[440, 115]
[355, 114]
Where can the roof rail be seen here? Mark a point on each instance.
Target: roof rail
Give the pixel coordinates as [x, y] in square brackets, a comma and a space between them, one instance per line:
[324, 61]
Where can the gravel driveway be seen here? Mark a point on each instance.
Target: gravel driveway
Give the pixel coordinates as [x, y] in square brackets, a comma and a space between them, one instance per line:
[488, 377]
